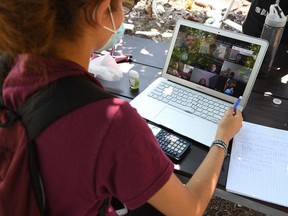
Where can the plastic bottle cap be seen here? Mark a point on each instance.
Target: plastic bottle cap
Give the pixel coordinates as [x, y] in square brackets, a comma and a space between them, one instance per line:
[277, 101]
[134, 74]
[276, 17]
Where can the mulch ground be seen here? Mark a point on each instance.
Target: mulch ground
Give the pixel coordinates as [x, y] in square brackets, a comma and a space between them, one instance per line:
[221, 207]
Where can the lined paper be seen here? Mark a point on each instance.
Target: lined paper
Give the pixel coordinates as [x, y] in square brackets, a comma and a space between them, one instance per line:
[259, 164]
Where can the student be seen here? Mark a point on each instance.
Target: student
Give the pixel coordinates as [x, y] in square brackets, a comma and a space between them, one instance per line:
[202, 82]
[229, 90]
[229, 81]
[103, 149]
[187, 46]
[213, 68]
[212, 49]
[173, 69]
[189, 42]
[239, 59]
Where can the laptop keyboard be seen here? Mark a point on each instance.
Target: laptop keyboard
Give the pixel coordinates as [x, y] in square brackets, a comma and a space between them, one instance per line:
[190, 101]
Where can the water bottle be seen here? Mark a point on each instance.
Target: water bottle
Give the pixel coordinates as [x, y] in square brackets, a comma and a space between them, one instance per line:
[272, 31]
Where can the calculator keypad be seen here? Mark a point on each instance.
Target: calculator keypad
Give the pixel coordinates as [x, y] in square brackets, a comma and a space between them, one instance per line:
[172, 145]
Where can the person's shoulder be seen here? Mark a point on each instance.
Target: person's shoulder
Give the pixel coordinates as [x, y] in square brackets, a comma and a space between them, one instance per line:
[119, 109]
[116, 104]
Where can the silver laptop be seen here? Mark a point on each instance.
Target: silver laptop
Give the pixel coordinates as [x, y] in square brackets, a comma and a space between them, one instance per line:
[207, 69]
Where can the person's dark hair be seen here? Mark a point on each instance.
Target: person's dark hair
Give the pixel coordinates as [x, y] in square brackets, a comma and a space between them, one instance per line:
[26, 26]
[29, 26]
[238, 55]
[202, 81]
[189, 34]
[213, 47]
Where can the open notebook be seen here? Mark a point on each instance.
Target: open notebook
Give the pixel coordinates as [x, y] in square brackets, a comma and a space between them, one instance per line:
[206, 70]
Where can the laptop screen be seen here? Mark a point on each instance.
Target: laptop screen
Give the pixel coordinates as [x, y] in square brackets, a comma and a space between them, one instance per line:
[211, 59]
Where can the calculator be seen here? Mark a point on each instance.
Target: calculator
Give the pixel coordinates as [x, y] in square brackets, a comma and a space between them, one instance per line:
[174, 146]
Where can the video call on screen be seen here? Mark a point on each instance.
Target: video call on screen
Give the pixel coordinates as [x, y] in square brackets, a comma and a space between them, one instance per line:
[212, 60]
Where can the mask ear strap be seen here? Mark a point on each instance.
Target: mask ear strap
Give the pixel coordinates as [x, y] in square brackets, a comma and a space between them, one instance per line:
[112, 19]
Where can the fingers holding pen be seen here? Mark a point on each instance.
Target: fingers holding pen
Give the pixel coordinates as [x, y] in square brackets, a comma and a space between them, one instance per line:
[236, 118]
[230, 124]
[234, 114]
[237, 113]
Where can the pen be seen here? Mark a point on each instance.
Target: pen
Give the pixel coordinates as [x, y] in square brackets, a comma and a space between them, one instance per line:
[237, 103]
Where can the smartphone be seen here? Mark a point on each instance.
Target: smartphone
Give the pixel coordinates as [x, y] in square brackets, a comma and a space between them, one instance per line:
[119, 207]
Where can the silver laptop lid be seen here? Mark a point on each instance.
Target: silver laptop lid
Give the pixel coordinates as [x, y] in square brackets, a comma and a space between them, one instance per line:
[214, 61]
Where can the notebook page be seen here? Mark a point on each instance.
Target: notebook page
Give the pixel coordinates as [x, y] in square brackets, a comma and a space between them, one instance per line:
[259, 164]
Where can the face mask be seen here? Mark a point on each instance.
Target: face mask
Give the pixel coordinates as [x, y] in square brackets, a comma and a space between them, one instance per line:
[115, 37]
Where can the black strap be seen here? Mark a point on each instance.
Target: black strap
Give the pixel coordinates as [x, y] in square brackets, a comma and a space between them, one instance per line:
[1, 102]
[57, 99]
[46, 106]
[10, 115]
[36, 177]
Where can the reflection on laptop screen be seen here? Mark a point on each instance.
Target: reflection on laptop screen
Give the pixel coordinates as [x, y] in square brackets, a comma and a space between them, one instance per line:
[214, 61]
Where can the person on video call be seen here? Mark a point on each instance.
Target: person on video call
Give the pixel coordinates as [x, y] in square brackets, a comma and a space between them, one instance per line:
[187, 46]
[189, 42]
[109, 151]
[202, 82]
[213, 68]
[239, 59]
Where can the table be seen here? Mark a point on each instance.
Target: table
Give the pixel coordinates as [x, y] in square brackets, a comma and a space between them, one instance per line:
[149, 59]
[276, 85]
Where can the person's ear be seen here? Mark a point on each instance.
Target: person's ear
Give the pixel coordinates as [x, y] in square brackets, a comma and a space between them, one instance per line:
[100, 12]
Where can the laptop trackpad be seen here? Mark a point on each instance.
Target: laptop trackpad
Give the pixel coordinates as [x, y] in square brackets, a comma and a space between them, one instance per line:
[170, 118]
[191, 126]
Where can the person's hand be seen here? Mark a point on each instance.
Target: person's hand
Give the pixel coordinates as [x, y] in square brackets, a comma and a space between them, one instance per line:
[229, 125]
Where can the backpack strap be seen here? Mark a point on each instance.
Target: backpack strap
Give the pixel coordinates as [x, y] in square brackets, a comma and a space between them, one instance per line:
[46, 106]
[1, 102]
[58, 98]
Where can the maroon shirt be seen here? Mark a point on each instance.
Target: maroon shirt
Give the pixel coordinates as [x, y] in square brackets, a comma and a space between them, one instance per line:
[100, 150]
